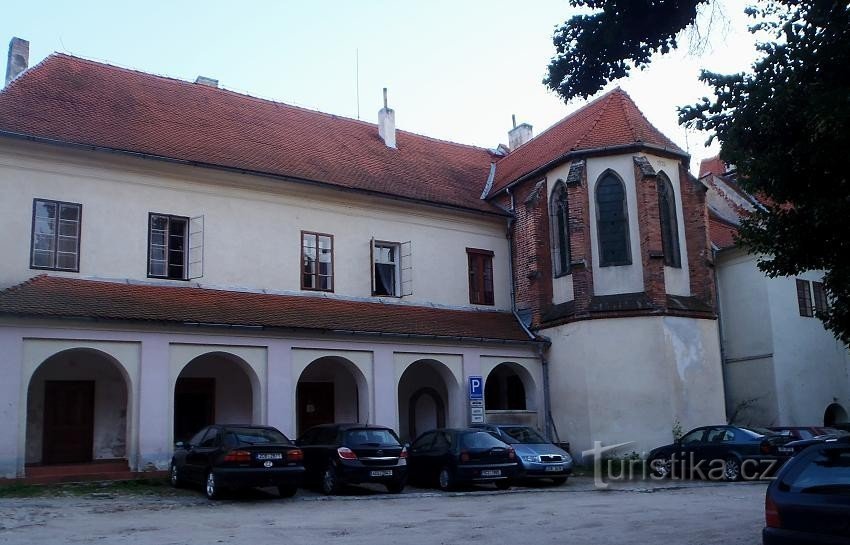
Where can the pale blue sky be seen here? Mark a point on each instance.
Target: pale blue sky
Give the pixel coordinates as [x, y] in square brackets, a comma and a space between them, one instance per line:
[455, 70]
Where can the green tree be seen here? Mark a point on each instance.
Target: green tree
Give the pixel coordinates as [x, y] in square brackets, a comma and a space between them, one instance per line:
[785, 124]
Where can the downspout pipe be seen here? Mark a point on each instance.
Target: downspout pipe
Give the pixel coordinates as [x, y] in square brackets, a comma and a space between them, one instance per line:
[542, 347]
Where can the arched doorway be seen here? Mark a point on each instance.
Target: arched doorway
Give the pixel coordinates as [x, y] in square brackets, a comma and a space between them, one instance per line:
[424, 393]
[216, 387]
[331, 389]
[510, 395]
[77, 409]
[835, 414]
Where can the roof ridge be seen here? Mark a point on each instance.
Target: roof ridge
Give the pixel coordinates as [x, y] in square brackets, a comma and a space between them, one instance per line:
[27, 282]
[626, 115]
[608, 96]
[246, 95]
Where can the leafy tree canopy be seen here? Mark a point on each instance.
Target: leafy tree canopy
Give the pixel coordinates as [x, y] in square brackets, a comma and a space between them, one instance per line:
[785, 125]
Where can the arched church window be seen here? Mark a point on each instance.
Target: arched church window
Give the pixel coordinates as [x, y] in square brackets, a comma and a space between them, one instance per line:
[669, 225]
[559, 221]
[612, 221]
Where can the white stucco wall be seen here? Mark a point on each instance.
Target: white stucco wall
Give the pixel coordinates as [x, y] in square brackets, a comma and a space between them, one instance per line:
[626, 278]
[632, 379]
[252, 226]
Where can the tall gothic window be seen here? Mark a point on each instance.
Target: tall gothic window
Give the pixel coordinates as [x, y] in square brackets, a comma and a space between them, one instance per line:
[612, 221]
[669, 226]
[559, 220]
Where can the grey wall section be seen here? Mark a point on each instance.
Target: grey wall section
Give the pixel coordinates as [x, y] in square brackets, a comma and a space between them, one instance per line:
[633, 379]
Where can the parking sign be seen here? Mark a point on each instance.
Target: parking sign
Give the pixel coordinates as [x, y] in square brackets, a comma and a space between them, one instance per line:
[476, 388]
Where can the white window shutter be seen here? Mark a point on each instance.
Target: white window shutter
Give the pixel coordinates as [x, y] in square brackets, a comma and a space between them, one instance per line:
[196, 247]
[406, 268]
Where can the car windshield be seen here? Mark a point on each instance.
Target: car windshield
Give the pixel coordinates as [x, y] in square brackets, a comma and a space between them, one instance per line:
[523, 435]
[479, 439]
[826, 472]
[254, 436]
[757, 433]
[370, 437]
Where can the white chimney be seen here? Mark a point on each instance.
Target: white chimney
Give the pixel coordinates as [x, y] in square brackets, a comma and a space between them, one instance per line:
[519, 135]
[19, 58]
[386, 123]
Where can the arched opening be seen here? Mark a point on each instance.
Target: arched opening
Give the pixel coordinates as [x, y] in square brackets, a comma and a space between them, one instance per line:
[669, 225]
[510, 395]
[215, 388]
[424, 393]
[835, 414]
[612, 221]
[559, 219]
[78, 409]
[331, 389]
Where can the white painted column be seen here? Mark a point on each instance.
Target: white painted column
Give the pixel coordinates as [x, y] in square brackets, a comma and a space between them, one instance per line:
[281, 392]
[385, 388]
[13, 446]
[156, 401]
[471, 367]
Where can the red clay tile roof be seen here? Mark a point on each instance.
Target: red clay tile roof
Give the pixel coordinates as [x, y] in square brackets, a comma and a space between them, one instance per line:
[611, 120]
[712, 165]
[55, 297]
[722, 234]
[69, 99]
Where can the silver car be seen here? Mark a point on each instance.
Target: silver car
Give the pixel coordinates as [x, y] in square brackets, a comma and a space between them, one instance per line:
[539, 458]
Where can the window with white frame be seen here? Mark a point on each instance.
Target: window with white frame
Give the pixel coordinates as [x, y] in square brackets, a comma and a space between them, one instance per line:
[55, 235]
[175, 246]
[391, 268]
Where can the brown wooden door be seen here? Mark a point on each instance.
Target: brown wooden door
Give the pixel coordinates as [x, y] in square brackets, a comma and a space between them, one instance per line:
[68, 421]
[194, 406]
[315, 404]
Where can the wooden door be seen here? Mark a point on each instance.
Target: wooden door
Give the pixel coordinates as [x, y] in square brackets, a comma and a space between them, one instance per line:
[315, 404]
[194, 406]
[68, 421]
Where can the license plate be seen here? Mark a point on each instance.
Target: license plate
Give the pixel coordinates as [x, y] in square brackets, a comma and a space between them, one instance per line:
[491, 472]
[269, 456]
[381, 473]
[553, 469]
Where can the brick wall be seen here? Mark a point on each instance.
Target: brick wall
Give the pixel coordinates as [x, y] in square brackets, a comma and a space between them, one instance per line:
[651, 247]
[695, 216]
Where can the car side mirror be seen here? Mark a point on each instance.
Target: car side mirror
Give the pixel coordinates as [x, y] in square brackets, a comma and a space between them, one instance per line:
[180, 444]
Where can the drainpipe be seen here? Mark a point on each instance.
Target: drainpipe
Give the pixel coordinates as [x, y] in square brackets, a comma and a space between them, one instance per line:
[542, 348]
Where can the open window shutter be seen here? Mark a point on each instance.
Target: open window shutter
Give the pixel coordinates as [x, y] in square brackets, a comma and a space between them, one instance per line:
[196, 247]
[406, 268]
[372, 263]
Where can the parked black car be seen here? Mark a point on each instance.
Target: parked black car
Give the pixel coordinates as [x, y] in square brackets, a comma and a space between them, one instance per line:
[796, 447]
[809, 501]
[229, 457]
[737, 452]
[339, 454]
[449, 457]
[538, 458]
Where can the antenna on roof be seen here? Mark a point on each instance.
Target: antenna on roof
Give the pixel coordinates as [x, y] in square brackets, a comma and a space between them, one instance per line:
[513, 119]
[357, 78]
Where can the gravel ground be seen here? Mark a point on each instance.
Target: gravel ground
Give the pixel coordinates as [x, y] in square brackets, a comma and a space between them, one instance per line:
[641, 512]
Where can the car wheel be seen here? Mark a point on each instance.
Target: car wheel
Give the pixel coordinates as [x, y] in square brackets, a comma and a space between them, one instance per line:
[211, 488]
[174, 476]
[395, 488]
[732, 469]
[445, 480]
[287, 491]
[660, 467]
[330, 484]
[558, 481]
[503, 484]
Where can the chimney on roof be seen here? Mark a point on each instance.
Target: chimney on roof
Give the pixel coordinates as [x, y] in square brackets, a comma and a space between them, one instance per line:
[519, 135]
[209, 82]
[386, 123]
[19, 58]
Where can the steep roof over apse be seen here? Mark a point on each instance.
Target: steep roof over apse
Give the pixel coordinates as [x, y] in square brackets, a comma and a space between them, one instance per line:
[610, 120]
[71, 100]
[721, 232]
[57, 297]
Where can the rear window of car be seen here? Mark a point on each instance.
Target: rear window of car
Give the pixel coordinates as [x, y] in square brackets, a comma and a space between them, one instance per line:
[826, 471]
[479, 439]
[757, 433]
[253, 436]
[523, 434]
[370, 437]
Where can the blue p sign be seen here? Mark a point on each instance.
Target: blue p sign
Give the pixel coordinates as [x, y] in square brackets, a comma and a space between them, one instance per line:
[476, 388]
